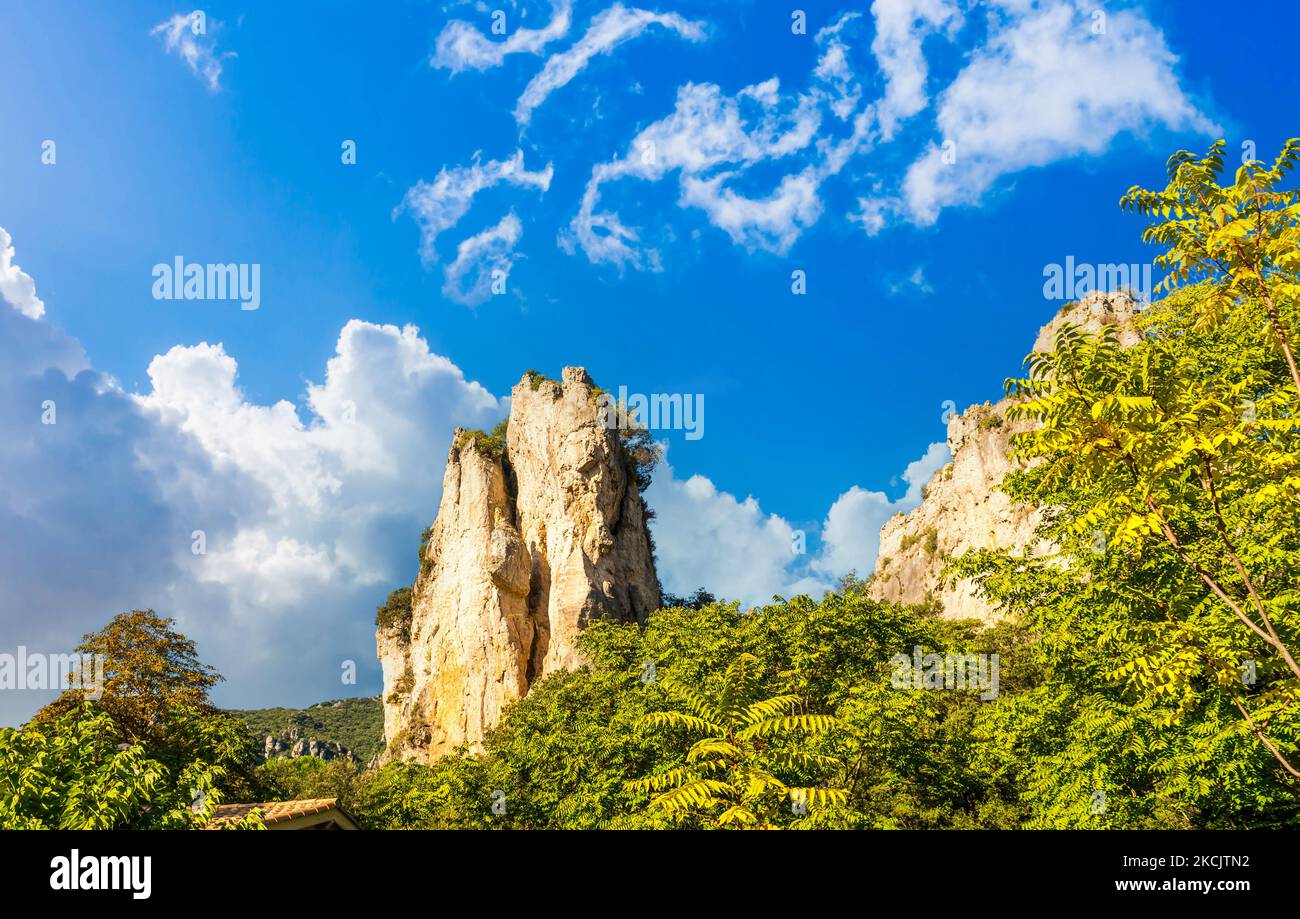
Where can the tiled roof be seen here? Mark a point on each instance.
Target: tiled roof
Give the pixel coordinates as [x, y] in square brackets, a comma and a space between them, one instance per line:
[272, 811]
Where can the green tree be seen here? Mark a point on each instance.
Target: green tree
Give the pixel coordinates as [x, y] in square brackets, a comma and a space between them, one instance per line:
[731, 777]
[562, 756]
[1182, 457]
[288, 778]
[154, 695]
[395, 614]
[149, 669]
[1169, 614]
[80, 771]
[1171, 471]
[1241, 240]
[451, 793]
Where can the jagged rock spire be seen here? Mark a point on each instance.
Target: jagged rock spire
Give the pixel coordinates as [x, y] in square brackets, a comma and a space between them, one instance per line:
[533, 540]
[963, 507]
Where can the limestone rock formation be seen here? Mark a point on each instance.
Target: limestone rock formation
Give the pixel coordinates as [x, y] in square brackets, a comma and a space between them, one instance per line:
[296, 745]
[963, 506]
[535, 538]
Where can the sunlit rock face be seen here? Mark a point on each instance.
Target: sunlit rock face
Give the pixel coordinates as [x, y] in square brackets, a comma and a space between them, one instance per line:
[963, 506]
[534, 539]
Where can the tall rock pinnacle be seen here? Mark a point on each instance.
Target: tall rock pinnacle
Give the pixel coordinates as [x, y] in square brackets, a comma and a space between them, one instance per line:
[963, 506]
[535, 538]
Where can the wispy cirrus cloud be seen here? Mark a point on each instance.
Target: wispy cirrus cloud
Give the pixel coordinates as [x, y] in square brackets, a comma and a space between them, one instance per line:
[186, 36]
[758, 162]
[707, 129]
[439, 205]
[711, 141]
[607, 31]
[771, 222]
[1031, 58]
[461, 46]
[469, 278]
[902, 27]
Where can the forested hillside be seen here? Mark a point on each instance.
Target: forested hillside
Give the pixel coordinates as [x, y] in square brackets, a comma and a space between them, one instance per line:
[356, 724]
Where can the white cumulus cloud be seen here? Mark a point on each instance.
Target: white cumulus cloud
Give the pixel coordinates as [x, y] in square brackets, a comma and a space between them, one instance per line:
[16, 286]
[851, 532]
[709, 538]
[271, 531]
[1048, 85]
[706, 537]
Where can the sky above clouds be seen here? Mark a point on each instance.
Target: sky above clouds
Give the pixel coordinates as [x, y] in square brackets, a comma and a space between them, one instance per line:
[628, 187]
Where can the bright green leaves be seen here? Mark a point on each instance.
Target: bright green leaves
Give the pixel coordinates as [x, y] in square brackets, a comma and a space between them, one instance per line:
[1241, 239]
[77, 772]
[730, 779]
[1169, 471]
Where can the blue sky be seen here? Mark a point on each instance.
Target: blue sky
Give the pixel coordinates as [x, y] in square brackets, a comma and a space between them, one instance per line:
[730, 147]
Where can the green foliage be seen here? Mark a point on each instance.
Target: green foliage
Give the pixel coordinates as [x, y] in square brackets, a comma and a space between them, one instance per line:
[356, 723]
[452, 793]
[149, 668]
[80, 770]
[698, 600]
[305, 777]
[395, 614]
[732, 776]
[1147, 670]
[490, 445]
[426, 564]
[643, 453]
[570, 753]
[1241, 241]
[1168, 618]
[928, 539]
[151, 752]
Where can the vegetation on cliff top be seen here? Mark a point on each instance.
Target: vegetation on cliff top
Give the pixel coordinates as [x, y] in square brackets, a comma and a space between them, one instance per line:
[395, 615]
[491, 445]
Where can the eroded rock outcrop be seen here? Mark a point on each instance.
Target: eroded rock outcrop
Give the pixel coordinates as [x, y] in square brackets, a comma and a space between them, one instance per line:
[295, 745]
[964, 507]
[535, 537]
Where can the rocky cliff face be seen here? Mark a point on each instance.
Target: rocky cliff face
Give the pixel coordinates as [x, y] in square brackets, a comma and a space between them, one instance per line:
[534, 539]
[963, 506]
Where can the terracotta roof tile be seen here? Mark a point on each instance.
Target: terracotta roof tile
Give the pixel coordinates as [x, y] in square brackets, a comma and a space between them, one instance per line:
[272, 811]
